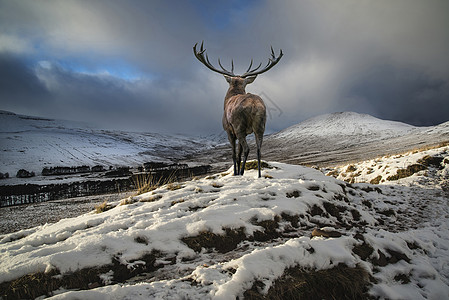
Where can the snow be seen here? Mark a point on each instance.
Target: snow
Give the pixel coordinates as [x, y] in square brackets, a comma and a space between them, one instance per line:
[338, 138]
[388, 165]
[33, 143]
[224, 202]
[347, 124]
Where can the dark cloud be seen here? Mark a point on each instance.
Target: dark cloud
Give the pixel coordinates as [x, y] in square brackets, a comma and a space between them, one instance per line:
[129, 64]
[400, 93]
[19, 85]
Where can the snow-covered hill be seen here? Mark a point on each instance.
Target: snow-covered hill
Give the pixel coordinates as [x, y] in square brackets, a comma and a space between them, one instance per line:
[33, 143]
[344, 137]
[221, 236]
[337, 138]
[344, 124]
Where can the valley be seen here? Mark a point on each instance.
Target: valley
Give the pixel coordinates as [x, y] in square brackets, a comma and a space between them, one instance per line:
[364, 208]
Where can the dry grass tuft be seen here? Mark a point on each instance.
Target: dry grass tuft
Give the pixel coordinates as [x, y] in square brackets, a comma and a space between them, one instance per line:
[252, 165]
[333, 173]
[145, 182]
[232, 237]
[409, 171]
[431, 161]
[177, 201]
[39, 284]
[221, 243]
[217, 185]
[128, 201]
[152, 198]
[174, 186]
[341, 282]
[376, 180]
[351, 168]
[102, 207]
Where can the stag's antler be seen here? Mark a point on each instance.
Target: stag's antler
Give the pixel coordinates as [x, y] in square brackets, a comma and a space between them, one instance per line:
[201, 55]
[272, 61]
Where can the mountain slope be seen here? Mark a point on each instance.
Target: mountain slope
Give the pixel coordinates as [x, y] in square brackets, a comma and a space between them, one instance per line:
[216, 237]
[345, 124]
[33, 143]
[344, 137]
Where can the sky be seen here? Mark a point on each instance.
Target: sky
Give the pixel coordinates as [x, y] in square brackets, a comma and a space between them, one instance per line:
[129, 64]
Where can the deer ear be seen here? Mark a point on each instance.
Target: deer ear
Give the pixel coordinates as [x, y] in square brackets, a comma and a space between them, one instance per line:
[228, 78]
[250, 79]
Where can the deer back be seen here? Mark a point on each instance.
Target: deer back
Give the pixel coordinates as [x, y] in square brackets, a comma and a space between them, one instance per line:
[244, 114]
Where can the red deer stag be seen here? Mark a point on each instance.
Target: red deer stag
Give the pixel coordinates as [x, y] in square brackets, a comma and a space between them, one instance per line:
[244, 113]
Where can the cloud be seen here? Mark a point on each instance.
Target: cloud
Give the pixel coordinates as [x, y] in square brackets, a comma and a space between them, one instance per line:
[19, 85]
[134, 105]
[337, 52]
[129, 64]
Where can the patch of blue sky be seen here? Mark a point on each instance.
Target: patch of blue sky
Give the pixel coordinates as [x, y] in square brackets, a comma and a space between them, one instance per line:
[83, 64]
[115, 69]
[219, 14]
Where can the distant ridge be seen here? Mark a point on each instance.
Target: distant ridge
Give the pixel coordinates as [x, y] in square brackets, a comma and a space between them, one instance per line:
[346, 124]
[343, 137]
[5, 112]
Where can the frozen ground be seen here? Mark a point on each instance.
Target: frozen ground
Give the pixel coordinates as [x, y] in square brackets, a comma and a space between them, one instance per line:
[216, 237]
[16, 218]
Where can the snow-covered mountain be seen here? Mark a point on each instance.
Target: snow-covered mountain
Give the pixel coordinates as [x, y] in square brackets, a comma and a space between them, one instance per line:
[336, 138]
[343, 124]
[33, 143]
[347, 136]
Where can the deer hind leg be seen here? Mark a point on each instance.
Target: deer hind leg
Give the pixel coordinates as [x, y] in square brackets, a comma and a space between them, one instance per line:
[232, 139]
[259, 147]
[239, 158]
[245, 148]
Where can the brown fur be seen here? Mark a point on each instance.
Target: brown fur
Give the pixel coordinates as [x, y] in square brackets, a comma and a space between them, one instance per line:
[244, 113]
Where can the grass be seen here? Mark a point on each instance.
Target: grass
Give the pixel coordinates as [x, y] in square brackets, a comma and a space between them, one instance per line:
[351, 168]
[340, 282]
[228, 241]
[146, 182]
[431, 161]
[38, 284]
[252, 165]
[177, 201]
[217, 185]
[221, 243]
[407, 172]
[102, 207]
[128, 201]
[174, 186]
[151, 199]
[376, 180]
